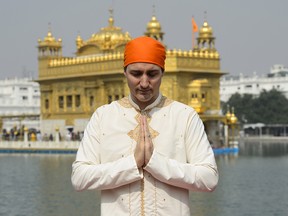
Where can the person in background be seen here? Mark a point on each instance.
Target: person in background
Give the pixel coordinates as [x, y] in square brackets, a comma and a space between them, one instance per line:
[145, 152]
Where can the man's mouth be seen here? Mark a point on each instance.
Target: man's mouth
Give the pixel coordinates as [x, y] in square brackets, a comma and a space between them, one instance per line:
[144, 91]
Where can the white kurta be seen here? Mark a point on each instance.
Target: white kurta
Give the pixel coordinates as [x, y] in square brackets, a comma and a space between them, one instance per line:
[182, 159]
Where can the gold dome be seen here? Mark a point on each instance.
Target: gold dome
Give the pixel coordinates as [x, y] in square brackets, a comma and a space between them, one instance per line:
[108, 38]
[49, 46]
[153, 25]
[49, 40]
[154, 29]
[79, 41]
[206, 31]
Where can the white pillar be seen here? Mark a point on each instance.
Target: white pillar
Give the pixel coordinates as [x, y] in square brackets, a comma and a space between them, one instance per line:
[226, 135]
[57, 137]
[25, 135]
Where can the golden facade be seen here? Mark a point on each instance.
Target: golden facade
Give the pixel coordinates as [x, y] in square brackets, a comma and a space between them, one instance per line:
[73, 87]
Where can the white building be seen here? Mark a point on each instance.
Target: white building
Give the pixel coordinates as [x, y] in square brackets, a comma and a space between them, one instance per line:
[19, 99]
[276, 79]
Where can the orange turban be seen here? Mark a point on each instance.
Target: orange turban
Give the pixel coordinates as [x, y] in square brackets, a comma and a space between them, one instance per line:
[145, 49]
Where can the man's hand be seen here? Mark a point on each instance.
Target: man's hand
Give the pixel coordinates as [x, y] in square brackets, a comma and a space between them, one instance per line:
[139, 153]
[144, 147]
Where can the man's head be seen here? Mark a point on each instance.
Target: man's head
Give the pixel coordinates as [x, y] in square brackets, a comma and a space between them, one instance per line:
[145, 49]
[144, 61]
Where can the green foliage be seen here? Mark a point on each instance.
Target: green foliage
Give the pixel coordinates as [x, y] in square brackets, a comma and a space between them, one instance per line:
[271, 107]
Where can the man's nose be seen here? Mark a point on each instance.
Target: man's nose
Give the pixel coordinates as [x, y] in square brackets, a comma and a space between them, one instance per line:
[144, 82]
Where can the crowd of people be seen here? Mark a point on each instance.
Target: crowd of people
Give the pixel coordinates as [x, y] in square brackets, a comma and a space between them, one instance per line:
[17, 134]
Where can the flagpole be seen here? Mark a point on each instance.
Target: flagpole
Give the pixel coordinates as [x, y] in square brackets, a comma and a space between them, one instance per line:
[192, 36]
[192, 39]
[194, 29]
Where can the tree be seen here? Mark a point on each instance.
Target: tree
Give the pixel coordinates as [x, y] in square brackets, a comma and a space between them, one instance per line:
[271, 107]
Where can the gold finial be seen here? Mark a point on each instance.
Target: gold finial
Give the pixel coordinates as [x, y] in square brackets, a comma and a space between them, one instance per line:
[49, 29]
[154, 10]
[228, 114]
[111, 11]
[111, 19]
[205, 15]
[78, 35]
[233, 119]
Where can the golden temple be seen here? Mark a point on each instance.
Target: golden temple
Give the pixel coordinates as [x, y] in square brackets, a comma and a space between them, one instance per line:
[73, 87]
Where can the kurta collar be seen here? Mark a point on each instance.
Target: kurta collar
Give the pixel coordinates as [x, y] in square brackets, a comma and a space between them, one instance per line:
[149, 107]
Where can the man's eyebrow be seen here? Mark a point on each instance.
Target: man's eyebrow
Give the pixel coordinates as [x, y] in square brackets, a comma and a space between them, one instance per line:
[153, 70]
[135, 70]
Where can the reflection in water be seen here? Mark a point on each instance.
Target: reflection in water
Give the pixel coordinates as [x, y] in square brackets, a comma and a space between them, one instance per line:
[263, 148]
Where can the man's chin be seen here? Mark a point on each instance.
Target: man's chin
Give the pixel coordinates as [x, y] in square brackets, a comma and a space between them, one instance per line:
[143, 98]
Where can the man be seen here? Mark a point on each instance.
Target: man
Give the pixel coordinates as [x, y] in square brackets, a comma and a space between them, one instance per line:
[145, 151]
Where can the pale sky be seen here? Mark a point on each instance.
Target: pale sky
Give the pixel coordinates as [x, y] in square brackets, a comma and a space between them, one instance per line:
[251, 35]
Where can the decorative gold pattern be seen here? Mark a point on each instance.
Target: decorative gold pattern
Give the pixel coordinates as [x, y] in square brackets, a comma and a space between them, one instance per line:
[125, 102]
[108, 38]
[134, 134]
[142, 198]
[164, 102]
[154, 29]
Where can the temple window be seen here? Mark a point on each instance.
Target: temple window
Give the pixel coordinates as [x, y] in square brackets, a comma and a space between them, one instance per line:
[46, 104]
[91, 101]
[77, 101]
[117, 97]
[61, 102]
[69, 101]
[203, 96]
[194, 95]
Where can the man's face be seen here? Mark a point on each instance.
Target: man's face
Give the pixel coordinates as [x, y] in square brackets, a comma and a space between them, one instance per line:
[144, 80]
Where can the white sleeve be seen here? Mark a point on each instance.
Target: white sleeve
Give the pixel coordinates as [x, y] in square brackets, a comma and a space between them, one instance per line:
[199, 173]
[89, 173]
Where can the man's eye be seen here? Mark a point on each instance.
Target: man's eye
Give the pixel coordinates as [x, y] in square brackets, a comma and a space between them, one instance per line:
[152, 74]
[136, 74]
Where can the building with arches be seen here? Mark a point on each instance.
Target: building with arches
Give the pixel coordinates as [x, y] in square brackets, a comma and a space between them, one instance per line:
[254, 84]
[73, 87]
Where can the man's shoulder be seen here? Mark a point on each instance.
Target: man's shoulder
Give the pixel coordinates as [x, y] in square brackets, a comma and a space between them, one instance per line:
[114, 105]
[179, 106]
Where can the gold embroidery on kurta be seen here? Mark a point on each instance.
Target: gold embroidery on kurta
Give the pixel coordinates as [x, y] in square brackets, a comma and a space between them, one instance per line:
[142, 198]
[163, 102]
[125, 102]
[134, 134]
